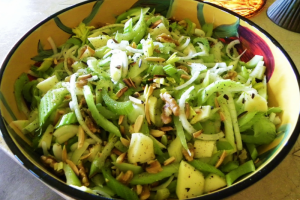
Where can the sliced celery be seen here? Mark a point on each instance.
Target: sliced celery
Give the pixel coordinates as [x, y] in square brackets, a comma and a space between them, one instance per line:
[69, 118]
[100, 120]
[120, 108]
[148, 178]
[50, 101]
[204, 167]
[245, 168]
[120, 189]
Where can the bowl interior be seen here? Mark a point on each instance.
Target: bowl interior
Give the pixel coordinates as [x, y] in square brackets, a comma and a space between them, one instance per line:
[283, 79]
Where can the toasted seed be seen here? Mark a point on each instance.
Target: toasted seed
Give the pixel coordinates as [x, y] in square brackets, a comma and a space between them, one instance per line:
[155, 59]
[187, 110]
[126, 178]
[256, 161]
[85, 156]
[121, 92]
[139, 189]
[222, 116]
[136, 95]
[116, 151]
[133, 45]
[138, 123]
[73, 166]
[166, 128]
[157, 133]
[198, 133]
[122, 129]
[221, 159]
[55, 61]
[132, 83]
[119, 178]
[135, 100]
[81, 137]
[127, 82]
[184, 76]
[150, 91]
[121, 158]
[84, 77]
[115, 41]
[118, 66]
[217, 103]
[67, 79]
[154, 167]
[121, 117]
[125, 142]
[169, 160]
[81, 83]
[147, 113]
[155, 24]
[64, 154]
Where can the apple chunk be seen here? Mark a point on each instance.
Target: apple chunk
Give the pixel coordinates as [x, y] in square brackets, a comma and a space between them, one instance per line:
[140, 148]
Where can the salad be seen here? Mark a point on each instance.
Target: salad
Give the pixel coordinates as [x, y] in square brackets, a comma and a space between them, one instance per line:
[146, 108]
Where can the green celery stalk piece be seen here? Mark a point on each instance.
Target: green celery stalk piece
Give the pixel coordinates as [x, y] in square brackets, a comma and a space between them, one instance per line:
[180, 132]
[233, 115]
[229, 166]
[245, 168]
[162, 194]
[132, 12]
[27, 90]
[137, 32]
[148, 178]
[229, 133]
[104, 191]
[98, 180]
[208, 29]
[120, 189]
[264, 132]
[121, 147]
[100, 120]
[19, 85]
[204, 167]
[99, 162]
[223, 145]
[246, 118]
[253, 62]
[172, 186]
[126, 166]
[120, 108]
[69, 118]
[252, 151]
[274, 110]
[46, 64]
[106, 113]
[221, 85]
[71, 177]
[214, 158]
[50, 101]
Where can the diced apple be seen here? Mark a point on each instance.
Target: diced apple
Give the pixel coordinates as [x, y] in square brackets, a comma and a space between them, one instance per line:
[255, 102]
[202, 115]
[47, 84]
[190, 182]
[204, 148]
[174, 149]
[214, 182]
[99, 41]
[140, 148]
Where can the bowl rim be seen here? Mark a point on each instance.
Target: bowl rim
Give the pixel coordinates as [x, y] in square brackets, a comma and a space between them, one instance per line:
[78, 194]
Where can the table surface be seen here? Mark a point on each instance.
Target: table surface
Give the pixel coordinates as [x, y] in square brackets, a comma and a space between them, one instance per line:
[18, 16]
